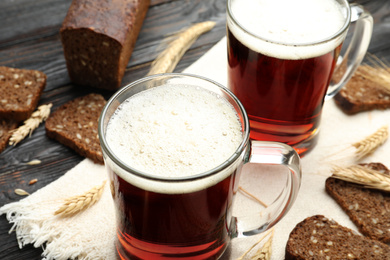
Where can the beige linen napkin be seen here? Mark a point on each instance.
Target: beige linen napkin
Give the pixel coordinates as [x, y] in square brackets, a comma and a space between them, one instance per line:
[92, 233]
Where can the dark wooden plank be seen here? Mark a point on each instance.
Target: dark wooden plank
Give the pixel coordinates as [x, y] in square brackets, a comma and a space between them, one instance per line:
[29, 38]
[25, 20]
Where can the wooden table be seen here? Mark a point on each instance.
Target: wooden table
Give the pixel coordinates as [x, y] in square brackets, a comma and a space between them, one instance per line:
[29, 38]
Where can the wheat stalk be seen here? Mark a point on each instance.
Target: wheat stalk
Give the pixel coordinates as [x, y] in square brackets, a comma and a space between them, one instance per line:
[76, 204]
[371, 143]
[264, 253]
[168, 59]
[252, 196]
[40, 115]
[365, 176]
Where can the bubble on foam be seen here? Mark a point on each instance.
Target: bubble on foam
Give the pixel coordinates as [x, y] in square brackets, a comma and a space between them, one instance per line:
[289, 22]
[174, 130]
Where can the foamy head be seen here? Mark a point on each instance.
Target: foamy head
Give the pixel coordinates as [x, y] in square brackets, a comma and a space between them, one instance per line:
[173, 131]
[292, 23]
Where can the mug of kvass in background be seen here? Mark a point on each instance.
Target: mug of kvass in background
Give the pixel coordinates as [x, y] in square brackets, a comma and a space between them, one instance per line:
[174, 146]
[281, 57]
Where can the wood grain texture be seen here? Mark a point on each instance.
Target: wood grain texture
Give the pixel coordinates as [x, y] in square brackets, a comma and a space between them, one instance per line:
[29, 38]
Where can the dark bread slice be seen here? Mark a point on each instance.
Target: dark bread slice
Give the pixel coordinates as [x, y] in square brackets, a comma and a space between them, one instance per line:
[20, 92]
[6, 127]
[318, 237]
[369, 209]
[75, 124]
[98, 37]
[362, 93]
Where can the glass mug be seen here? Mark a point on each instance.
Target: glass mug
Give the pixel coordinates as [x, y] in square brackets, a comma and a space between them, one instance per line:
[189, 216]
[281, 62]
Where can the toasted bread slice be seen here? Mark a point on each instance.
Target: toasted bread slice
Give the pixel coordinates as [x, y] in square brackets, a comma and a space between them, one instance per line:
[318, 237]
[369, 209]
[75, 124]
[368, 89]
[20, 92]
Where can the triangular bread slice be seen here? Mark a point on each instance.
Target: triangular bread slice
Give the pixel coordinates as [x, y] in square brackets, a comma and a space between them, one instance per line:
[75, 124]
[318, 237]
[368, 89]
[369, 209]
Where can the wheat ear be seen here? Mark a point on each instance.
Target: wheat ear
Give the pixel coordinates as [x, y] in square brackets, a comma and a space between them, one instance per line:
[365, 176]
[168, 59]
[371, 143]
[40, 115]
[76, 204]
[264, 253]
[359, 149]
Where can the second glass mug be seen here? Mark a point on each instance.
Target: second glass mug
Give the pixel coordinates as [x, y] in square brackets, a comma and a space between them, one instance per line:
[283, 81]
[191, 217]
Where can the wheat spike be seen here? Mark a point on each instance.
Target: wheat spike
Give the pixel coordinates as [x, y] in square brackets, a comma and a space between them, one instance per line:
[265, 251]
[359, 149]
[168, 59]
[76, 204]
[371, 143]
[40, 115]
[365, 176]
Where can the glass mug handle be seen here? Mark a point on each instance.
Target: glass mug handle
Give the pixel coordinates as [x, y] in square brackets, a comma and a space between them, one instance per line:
[271, 153]
[356, 50]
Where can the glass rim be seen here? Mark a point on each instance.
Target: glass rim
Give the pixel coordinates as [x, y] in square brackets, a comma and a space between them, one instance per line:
[324, 40]
[124, 166]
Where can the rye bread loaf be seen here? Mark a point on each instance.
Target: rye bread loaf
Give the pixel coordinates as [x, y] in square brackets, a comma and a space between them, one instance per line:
[363, 93]
[318, 237]
[75, 124]
[6, 126]
[20, 92]
[369, 209]
[98, 37]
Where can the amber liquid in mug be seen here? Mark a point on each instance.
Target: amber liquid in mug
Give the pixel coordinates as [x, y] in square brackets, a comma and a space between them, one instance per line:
[283, 98]
[281, 90]
[186, 226]
[175, 131]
